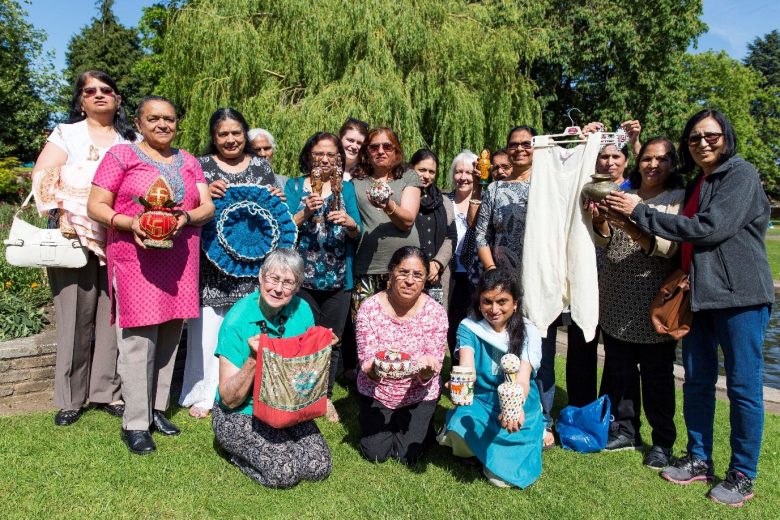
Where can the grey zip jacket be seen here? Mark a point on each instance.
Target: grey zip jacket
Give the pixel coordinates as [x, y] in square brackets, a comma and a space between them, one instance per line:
[730, 266]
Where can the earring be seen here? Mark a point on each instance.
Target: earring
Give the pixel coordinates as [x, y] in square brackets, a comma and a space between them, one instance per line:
[83, 114]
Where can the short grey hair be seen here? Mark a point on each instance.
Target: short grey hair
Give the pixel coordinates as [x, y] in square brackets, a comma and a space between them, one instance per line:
[281, 260]
[257, 132]
[466, 156]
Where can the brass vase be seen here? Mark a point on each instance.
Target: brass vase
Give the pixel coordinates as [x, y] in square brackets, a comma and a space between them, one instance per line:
[599, 187]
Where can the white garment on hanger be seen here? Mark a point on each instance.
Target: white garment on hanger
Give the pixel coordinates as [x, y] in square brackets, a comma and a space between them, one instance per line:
[559, 259]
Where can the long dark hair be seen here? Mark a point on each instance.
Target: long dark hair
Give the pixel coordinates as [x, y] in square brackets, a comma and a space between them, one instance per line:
[687, 164]
[304, 159]
[505, 282]
[121, 125]
[225, 114]
[674, 180]
[405, 252]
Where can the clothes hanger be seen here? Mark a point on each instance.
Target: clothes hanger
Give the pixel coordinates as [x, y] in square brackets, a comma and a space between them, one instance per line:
[571, 135]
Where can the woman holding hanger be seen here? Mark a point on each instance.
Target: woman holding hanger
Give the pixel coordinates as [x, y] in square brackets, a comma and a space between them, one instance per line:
[62, 176]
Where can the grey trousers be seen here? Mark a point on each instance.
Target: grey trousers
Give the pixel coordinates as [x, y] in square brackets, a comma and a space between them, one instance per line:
[146, 359]
[82, 306]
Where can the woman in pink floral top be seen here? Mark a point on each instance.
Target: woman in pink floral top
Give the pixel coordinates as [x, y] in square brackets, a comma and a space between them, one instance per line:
[395, 414]
[154, 290]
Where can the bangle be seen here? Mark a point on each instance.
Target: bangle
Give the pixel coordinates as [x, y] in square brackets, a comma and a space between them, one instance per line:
[475, 202]
[187, 217]
[111, 222]
[394, 208]
[639, 235]
[492, 266]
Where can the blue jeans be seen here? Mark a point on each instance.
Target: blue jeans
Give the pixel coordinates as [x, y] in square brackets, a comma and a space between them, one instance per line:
[581, 376]
[740, 333]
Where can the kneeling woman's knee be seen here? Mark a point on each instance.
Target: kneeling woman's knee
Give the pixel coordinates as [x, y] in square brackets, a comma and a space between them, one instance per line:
[376, 449]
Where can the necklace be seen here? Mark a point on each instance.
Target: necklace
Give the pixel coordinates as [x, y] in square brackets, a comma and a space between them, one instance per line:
[408, 314]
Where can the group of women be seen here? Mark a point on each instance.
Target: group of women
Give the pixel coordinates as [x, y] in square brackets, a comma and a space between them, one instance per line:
[423, 270]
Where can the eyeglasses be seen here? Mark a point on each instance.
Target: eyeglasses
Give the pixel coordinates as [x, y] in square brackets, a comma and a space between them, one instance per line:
[271, 280]
[320, 155]
[404, 274]
[504, 167]
[526, 145]
[91, 91]
[710, 137]
[387, 147]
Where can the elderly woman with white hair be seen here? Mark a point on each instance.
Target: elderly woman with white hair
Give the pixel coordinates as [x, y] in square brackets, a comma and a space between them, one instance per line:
[263, 143]
[435, 225]
[274, 457]
[462, 180]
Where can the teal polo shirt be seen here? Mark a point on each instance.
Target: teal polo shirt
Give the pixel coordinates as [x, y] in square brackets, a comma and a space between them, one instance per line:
[243, 321]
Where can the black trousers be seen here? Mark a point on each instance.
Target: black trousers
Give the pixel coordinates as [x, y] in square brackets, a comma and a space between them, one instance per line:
[402, 434]
[330, 309]
[626, 365]
[460, 305]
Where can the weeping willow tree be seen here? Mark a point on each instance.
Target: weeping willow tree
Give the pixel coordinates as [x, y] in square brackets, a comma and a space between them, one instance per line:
[444, 74]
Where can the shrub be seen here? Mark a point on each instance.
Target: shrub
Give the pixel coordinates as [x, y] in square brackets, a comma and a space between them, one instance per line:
[15, 181]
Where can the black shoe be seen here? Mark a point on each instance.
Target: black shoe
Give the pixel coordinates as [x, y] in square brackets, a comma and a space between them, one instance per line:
[161, 424]
[619, 441]
[139, 442]
[658, 457]
[117, 410]
[67, 417]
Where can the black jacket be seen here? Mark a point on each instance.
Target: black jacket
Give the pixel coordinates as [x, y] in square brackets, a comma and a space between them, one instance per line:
[730, 266]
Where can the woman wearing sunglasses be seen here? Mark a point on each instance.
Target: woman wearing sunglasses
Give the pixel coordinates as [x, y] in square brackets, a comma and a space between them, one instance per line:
[388, 221]
[62, 178]
[722, 229]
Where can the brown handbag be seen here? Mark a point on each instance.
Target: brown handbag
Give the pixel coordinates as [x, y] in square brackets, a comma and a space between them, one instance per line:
[670, 311]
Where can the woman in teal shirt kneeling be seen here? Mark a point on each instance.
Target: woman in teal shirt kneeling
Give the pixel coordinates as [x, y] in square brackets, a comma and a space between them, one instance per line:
[511, 452]
[274, 457]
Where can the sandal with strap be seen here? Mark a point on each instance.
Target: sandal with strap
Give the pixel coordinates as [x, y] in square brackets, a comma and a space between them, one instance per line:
[550, 445]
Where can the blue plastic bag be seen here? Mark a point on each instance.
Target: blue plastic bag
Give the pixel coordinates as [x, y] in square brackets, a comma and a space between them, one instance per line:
[585, 429]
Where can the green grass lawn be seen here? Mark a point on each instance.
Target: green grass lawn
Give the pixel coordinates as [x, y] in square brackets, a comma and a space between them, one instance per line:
[85, 471]
[773, 250]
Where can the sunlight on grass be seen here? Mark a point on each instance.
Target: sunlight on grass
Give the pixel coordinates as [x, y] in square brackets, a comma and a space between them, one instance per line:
[85, 471]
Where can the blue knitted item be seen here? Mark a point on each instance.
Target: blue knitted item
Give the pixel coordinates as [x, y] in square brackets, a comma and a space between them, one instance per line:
[249, 222]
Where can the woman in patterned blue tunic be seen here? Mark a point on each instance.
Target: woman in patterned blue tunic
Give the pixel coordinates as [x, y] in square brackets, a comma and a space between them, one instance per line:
[328, 230]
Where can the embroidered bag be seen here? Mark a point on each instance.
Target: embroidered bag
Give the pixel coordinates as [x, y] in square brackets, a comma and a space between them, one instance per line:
[291, 381]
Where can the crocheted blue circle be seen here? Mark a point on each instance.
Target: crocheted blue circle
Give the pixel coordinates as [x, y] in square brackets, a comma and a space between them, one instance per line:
[249, 222]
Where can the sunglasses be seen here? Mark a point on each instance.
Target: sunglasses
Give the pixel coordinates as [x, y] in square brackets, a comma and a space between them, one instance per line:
[387, 147]
[526, 145]
[91, 91]
[710, 137]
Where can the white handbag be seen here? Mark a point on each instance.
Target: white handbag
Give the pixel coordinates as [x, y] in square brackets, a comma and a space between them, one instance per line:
[31, 246]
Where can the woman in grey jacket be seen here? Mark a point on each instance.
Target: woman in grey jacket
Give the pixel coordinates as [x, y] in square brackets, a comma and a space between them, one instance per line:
[722, 230]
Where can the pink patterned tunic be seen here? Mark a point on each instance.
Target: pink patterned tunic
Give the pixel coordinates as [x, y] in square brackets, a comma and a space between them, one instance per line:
[424, 333]
[152, 285]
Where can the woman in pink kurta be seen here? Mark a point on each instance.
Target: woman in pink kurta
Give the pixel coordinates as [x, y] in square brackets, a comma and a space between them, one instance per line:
[153, 290]
[152, 285]
[396, 413]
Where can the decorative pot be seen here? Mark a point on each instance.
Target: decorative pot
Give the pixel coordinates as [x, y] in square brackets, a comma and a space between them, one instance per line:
[598, 189]
[393, 364]
[462, 381]
[510, 397]
[158, 224]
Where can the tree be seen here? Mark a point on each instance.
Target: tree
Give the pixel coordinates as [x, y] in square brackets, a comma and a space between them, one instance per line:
[764, 56]
[152, 28]
[25, 75]
[105, 45]
[614, 60]
[447, 74]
